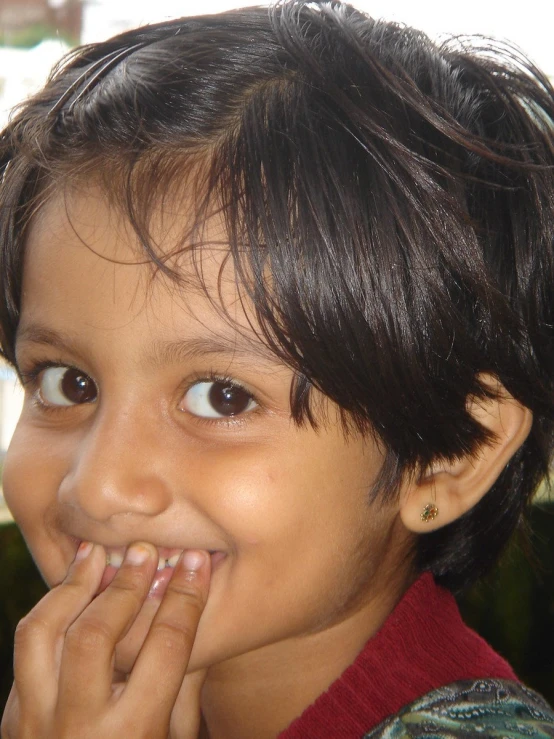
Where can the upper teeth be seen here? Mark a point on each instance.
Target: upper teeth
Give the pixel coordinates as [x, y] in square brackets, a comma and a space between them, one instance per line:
[115, 559]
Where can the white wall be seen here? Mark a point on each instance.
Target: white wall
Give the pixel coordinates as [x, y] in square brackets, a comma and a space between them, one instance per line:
[24, 71]
[11, 401]
[529, 24]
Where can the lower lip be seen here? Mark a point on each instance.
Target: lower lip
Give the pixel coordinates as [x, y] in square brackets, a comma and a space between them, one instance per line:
[161, 579]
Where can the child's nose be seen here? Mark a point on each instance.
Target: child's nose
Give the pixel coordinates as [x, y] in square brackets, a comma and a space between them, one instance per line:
[116, 467]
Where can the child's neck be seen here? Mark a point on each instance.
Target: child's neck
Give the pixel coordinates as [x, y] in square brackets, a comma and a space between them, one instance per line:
[257, 695]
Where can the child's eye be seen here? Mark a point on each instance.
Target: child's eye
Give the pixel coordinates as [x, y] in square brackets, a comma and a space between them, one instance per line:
[66, 386]
[217, 399]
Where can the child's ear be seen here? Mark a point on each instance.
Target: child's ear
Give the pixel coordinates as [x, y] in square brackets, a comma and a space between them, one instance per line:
[448, 490]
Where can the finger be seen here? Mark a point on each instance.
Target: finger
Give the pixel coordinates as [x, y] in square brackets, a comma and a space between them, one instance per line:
[39, 637]
[162, 663]
[87, 664]
[11, 725]
[186, 716]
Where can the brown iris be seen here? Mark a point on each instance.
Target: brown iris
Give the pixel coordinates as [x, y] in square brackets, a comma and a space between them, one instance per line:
[77, 387]
[227, 399]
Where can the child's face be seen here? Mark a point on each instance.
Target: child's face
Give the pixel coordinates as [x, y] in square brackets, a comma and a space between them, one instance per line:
[285, 507]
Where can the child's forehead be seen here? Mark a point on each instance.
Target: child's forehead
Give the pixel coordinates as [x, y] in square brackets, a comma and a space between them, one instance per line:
[114, 219]
[92, 257]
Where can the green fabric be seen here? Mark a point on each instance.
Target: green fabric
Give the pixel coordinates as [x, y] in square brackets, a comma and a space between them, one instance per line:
[471, 709]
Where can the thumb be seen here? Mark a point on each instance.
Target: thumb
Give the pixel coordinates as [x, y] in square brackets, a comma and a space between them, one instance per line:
[186, 716]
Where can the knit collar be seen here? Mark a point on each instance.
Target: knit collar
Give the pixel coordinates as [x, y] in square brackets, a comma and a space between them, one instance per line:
[422, 645]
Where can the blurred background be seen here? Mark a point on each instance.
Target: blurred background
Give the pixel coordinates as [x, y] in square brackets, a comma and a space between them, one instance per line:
[514, 608]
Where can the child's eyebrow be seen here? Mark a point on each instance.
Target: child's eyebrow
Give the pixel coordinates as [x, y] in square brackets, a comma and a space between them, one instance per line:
[239, 347]
[164, 352]
[36, 334]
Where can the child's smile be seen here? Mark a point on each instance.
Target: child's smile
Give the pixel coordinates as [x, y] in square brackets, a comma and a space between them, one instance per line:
[149, 417]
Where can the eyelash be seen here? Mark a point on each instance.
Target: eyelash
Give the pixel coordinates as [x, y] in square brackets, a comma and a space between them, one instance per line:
[29, 378]
[212, 376]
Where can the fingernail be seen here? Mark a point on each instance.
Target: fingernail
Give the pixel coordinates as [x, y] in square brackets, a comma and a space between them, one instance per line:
[192, 561]
[136, 554]
[85, 548]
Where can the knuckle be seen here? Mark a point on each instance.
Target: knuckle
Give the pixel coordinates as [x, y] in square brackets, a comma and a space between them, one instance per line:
[175, 638]
[87, 635]
[129, 587]
[187, 591]
[72, 591]
[74, 588]
[31, 627]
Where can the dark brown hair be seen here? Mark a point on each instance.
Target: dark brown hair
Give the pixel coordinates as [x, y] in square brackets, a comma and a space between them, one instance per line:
[399, 193]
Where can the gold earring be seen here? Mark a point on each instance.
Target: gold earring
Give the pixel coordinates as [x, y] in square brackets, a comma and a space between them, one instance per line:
[429, 513]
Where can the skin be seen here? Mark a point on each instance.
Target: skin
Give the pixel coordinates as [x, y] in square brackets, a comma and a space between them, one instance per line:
[69, 637]
[311, 569]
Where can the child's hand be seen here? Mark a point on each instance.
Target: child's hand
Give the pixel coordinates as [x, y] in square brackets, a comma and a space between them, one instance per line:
[64, 684]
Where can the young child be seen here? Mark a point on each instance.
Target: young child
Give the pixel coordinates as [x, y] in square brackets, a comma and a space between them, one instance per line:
[279, 288]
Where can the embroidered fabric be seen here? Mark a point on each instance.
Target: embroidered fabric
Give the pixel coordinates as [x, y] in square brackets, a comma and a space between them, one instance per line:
[469, 709]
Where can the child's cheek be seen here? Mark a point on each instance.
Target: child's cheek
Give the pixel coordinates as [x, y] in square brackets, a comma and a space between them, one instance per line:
[247, 494]
[30, 481]
[256, 488]
[22, 478]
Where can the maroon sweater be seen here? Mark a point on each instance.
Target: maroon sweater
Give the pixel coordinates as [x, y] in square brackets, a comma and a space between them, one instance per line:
[422, 646]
